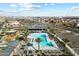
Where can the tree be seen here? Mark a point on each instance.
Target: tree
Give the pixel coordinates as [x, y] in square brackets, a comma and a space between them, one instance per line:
[38, 40]
[6, 23]
[51, 30]
[66, 40]
[26, 33]
[17, 38]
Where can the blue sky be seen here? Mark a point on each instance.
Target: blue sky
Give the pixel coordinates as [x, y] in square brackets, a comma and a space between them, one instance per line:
[39, 9]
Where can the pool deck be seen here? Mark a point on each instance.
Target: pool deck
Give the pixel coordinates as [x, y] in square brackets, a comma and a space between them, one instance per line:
[35, 44]
[46, 47]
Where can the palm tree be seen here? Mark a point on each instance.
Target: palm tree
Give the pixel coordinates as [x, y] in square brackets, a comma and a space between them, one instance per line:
[38, 40]
[6, 23]
[26, 33]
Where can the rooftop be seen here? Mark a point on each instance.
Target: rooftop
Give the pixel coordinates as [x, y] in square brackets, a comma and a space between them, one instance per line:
[37, 26]
[10, 47]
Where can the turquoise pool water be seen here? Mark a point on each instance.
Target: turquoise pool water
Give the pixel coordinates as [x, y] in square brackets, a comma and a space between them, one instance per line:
[44, 41]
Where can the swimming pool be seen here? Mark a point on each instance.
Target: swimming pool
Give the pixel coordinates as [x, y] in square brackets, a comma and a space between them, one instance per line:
[44, 37]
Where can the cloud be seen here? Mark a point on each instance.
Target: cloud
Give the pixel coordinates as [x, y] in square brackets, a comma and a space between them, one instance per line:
[12, 11]
[52, 4]
[28, 6]
[75, 8]
[49, 4]
[21, 7]
[24, 9]
[13, 5]
[1, 11]
[46, 4]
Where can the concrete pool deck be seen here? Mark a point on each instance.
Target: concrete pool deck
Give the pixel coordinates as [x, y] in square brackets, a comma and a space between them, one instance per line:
[42, 47]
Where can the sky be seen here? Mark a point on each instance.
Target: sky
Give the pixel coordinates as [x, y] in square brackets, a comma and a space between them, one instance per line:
[39, 9]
